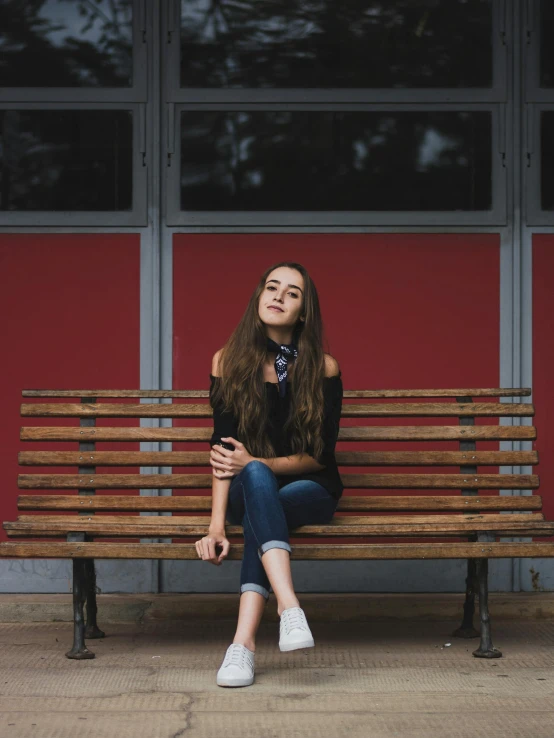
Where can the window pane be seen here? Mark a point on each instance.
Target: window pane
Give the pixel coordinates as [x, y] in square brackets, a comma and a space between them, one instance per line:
[332, 43]
[336, 161]
[547, 52]
[547, 160]
[65, 160]
[66, 43]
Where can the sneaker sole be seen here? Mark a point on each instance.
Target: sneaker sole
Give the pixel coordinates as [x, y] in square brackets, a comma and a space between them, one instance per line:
[234, 682]
[296, 645]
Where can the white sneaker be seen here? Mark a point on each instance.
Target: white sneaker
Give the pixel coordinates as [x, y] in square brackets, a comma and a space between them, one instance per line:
[294, 631]
[237, 669]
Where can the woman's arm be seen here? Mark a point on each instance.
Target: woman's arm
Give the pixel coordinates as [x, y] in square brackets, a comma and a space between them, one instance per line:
[223, 424]
[220, 498]
[295, 464]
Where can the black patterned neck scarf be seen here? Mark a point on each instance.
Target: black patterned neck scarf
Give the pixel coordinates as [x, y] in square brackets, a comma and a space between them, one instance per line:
[284, 352]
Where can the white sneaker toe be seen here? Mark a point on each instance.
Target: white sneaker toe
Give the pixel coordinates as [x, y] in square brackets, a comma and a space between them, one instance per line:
[294, 631]
[237, 669]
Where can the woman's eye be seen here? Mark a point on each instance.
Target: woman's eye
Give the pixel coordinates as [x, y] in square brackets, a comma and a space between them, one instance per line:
[271, 287]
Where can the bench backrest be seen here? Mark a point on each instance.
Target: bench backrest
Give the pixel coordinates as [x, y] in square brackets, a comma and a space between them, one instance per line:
[465, 417]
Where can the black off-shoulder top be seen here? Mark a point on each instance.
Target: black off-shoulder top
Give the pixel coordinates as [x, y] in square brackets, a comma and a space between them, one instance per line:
[225, 424]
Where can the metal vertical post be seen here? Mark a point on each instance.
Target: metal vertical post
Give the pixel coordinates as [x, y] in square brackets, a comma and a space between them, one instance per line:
[467, 629]
[79, 650]
[88, 467]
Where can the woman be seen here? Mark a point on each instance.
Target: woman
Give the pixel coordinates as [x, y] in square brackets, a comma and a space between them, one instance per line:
[276, 399]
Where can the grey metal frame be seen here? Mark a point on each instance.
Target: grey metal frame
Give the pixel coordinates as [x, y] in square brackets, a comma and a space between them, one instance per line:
[493, 99]
[537, 99]
[136, 216]
[495, 216]
[132, 98]
[496, 93]
[534, 214]
[533, 91]
[137, 92]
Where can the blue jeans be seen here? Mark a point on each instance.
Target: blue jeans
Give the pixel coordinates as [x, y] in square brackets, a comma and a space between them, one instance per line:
[266, 513]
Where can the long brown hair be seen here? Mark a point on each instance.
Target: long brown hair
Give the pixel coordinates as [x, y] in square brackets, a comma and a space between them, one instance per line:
[242, 385]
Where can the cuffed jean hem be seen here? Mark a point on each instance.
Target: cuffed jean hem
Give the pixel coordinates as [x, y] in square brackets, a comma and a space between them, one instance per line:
[273, 544]
[254, 588]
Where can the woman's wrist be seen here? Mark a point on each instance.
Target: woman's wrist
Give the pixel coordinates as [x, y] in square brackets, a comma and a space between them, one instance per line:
[216, 527]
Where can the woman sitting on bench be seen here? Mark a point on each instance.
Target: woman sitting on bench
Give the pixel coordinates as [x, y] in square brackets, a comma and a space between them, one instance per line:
[276, 399]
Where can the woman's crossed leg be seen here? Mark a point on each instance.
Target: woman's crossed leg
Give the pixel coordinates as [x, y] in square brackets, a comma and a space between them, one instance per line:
[267, 513]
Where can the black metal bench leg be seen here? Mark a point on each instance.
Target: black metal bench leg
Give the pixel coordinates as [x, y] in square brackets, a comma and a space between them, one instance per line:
[467, 629]
[91, 629]
[486, 650]
[79, 650]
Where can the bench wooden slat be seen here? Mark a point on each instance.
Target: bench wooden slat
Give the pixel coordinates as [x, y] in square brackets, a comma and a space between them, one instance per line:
[453, 518]
[344, 458]
[179, 526]
[180, 530]
[357, 433]
[351, 481]
[188, 410]
[347, 503]
[311, 551]
[473, 392]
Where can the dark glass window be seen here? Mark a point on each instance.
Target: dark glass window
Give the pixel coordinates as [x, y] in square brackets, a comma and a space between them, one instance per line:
[547, 160]
[546, 48]
[425, 160]
[336, 43]
[65, 160]
[66, 43]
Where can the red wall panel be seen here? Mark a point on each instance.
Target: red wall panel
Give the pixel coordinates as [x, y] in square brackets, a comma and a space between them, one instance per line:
[70, 306]
[543, 363]
[400, 310]
[411, 310]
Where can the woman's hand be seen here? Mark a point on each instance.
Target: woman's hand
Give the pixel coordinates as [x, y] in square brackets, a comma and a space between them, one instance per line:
[205, 547]
[227, 464]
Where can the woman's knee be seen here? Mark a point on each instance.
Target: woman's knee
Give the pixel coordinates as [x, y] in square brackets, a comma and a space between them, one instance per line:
[257, 479]
[255, 464]
[256, 469]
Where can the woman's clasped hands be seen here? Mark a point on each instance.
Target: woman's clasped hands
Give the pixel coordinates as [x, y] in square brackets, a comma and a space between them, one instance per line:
[226, 463]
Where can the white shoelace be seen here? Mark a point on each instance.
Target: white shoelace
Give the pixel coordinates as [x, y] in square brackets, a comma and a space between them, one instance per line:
[238, 655]
[293, 617]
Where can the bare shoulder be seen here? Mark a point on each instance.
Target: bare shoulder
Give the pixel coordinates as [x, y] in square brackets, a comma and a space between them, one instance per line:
[331, 366]
[215, 363]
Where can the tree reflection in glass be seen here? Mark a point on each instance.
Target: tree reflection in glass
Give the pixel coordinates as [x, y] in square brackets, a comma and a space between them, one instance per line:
[425, 160]
[333, 43]
[66, 43]
[55, 160]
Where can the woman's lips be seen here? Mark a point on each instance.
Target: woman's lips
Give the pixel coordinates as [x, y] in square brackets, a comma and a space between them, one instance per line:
[271, 307]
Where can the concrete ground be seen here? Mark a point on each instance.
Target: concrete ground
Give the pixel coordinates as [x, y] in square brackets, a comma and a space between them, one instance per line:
[375, 677]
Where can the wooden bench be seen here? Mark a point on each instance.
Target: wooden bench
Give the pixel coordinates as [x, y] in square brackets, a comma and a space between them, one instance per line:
[433, 512]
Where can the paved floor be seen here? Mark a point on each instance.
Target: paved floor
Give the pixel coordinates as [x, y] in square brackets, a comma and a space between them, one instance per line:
[378, 679]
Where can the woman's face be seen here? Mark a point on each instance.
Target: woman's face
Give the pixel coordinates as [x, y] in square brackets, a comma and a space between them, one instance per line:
[284, 289]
